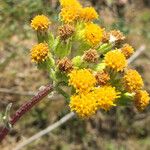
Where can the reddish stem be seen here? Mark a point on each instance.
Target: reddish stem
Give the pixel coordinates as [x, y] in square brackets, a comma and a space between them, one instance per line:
[25, 108]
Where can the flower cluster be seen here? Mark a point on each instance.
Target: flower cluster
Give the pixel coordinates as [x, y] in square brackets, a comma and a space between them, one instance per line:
[89, 60]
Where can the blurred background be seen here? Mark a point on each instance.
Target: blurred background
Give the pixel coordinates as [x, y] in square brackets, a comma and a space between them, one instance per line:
[119, 129]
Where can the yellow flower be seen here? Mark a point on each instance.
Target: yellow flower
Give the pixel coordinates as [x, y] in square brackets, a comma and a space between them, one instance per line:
[85, 105]
[106, 97]
[88, 14]
[40, 22]
[142, 100]
[127, 50]
[82, 80]
[39, 52]
[68, 3]
[115, 60]
[69, 14]
[132, 80]
[93, 34]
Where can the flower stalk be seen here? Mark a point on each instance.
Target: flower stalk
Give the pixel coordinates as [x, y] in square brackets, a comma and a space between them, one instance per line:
[24, 109]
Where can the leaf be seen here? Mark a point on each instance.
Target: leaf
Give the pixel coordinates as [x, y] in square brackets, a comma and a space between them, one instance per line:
[62, 49]
[125, 99]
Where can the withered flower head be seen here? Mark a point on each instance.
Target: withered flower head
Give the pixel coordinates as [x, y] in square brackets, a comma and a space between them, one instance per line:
[105, 37]
[66, 31]
[91, 56]
[65, 65]
[116, 36]
[102, 78]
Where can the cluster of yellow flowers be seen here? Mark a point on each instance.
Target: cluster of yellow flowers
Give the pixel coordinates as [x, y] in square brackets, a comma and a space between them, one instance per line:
[95, 68]
[39, 52]
[90, 96]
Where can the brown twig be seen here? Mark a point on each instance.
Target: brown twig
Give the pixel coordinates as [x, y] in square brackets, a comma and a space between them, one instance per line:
[25, 108]
[26, 93]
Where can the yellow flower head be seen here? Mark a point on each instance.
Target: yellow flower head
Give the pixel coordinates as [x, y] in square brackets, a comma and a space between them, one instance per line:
[132, 80]
[142, 100]
[85, 105]
[39, 52]
[93, 34]
[106, 97]
[127, 50]
[69, 14]
[82, 80]
[68, 3]
[115, 60]
[88, 14]
[40, 22]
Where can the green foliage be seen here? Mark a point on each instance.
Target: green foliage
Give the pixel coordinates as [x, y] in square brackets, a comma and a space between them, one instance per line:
[62, 49]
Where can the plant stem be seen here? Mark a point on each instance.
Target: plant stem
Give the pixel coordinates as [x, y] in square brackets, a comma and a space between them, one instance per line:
[24, 109]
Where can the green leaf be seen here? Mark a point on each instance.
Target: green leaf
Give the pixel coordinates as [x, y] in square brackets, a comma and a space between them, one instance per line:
[51, 39]
[125, 99]
[79, 63]
[104, 48]
[83, 47]
[100, 67]
[61, 76]
[62, 49]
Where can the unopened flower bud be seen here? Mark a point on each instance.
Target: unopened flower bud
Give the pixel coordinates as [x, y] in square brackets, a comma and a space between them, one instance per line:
[106, 37]
[102, 78]
[66, 31]
[65, 65]
[77, 61]
[116, 36]
[91, 56]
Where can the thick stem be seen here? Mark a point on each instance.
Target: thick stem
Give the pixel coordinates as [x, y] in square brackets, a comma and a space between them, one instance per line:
[25, 108]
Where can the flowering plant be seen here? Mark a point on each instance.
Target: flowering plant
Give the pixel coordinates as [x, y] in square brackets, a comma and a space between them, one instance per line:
[89, 60]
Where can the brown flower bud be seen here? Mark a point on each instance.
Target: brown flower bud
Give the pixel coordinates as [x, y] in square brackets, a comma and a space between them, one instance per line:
[66, 31]
[65, 65]
[102, 78]
[105, 38]
[116, 36]
[91, 56]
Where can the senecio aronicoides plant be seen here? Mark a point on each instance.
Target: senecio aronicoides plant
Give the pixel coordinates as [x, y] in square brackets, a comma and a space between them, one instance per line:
[89, 60]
